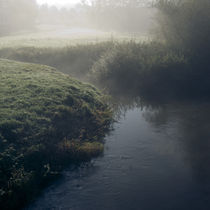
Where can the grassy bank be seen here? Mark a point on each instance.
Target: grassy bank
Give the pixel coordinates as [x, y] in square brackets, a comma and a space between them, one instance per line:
[61, 37]
[147, 69]
[143, 69]
[152, 70]
[47, 120]
[74, 60]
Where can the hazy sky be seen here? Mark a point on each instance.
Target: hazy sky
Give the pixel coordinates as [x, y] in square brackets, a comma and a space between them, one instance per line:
[58, 3]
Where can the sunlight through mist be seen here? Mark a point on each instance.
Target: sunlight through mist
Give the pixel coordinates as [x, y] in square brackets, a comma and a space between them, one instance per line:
[59, 3]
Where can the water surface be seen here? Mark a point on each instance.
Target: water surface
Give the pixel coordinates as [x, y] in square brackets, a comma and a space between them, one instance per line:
[154, 159]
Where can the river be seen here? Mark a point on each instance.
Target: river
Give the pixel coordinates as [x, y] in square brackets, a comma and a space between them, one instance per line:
[156, 158]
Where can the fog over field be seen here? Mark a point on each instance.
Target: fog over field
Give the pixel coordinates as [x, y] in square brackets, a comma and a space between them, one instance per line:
[105, 104]
[126, 16]
[59, 3]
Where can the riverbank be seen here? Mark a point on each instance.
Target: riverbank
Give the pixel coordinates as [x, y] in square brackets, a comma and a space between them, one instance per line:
[47, 120]
[151, 70]
[154, 153]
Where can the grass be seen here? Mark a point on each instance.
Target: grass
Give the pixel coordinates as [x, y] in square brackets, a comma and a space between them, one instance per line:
[64, 37]
[142, 69]
[46, 42]
[71, 52]
[47, 120]
[153, 71]
[149, 69]
[73, 60]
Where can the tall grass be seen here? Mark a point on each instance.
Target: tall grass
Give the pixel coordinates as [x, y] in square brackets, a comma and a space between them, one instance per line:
[74, 60]
[149, 69]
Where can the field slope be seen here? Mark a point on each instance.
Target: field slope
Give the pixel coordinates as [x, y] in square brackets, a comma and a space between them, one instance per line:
[47, 120]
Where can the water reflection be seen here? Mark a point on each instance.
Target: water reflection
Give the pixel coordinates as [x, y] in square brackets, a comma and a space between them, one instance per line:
[187, 123]
[157, 157]
[192, 121]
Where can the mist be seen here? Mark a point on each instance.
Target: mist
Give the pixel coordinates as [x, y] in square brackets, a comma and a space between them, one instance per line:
[104, 104]
[127, 16]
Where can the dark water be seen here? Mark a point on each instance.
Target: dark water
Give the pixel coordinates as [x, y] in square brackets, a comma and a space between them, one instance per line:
[155, 159]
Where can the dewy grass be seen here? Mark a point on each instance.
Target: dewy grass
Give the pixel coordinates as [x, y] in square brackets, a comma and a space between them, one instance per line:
[54, 39]
[47, 120]
[74, 60]
[147, 69]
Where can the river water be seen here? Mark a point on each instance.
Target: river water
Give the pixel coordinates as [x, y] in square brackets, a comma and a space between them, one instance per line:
[156, 158]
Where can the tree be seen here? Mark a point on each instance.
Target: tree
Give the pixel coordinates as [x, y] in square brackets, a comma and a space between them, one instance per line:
[185, 24]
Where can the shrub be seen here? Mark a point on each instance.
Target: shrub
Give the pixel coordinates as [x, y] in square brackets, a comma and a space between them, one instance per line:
[147, 69]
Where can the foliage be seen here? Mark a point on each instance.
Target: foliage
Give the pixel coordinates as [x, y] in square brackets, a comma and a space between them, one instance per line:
[150, 69]
[185, 24]
[146, 69]
[43, 114]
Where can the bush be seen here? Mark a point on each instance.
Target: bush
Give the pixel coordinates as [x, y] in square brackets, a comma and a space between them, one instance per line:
[147, 69]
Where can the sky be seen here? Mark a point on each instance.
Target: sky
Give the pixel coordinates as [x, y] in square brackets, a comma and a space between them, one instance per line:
[58, 3]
